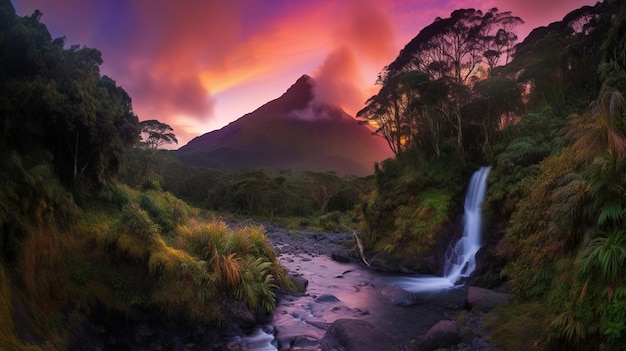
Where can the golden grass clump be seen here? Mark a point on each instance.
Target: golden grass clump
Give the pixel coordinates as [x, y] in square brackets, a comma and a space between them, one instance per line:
[194, 236]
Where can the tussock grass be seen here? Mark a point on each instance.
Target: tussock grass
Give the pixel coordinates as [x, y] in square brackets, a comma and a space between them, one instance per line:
[125, 248]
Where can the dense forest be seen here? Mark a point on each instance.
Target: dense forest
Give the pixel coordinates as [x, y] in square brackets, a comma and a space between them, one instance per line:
[73, 239]
[88, 203]
[548, 115]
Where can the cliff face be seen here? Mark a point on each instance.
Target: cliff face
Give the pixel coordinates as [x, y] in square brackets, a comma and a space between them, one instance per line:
[292, 132]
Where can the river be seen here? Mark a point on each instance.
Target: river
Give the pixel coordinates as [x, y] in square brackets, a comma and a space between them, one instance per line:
[348, 290]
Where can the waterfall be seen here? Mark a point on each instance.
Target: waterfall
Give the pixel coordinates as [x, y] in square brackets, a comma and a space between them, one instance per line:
[461, 259]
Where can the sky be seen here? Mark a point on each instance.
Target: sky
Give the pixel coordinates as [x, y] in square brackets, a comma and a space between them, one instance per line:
[198, 65]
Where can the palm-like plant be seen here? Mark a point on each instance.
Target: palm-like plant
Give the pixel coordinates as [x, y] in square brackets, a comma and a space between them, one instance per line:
[257, 284]
[598, 130]
[605, 255]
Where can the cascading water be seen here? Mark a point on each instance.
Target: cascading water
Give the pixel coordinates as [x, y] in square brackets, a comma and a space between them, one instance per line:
[461, 259]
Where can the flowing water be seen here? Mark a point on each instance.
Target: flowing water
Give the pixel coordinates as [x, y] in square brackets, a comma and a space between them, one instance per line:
[461, 260]
[346, 290]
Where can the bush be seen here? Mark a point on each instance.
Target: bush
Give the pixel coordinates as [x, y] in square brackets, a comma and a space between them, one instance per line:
[330, 221]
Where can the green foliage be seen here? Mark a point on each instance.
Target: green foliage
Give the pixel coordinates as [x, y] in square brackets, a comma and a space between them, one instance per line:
[330, 221]
[412, 203]
[54, 100]
[155, 134]
[137, 223]
[604, 257]
[613, 322]
[518, 327]
[256, 285]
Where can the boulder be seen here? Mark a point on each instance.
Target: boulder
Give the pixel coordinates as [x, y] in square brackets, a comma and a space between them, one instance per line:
[355, 335]
[399, 296]
[341, 255]
[484, 300]
[304, 343]
[445, 334]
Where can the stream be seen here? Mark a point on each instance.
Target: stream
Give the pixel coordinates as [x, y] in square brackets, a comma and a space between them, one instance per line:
[349, 290]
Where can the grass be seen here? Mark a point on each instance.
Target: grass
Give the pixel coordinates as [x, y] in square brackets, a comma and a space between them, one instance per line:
[521, 326]
[128, 248]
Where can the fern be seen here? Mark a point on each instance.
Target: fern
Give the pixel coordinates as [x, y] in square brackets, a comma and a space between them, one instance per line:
[256, 285]
[613, 212]
[605, 256]
[570, 327]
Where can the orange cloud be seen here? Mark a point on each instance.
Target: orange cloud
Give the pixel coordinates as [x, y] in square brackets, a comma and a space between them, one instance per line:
[363, 39]
[176, 59]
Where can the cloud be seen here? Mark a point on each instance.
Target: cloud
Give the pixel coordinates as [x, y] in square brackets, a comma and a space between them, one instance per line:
[175, 59]
[363, 37]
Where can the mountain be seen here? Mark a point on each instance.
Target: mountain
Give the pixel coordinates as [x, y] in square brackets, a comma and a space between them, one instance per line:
[292, 132]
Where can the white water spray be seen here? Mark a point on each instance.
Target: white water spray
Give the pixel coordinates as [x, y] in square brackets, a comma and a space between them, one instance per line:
[461, 259]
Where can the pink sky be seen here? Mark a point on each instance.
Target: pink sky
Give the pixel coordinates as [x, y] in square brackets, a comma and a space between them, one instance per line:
[198, 65]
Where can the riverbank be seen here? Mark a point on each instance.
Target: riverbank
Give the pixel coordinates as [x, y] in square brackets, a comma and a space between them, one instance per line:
[336, 285]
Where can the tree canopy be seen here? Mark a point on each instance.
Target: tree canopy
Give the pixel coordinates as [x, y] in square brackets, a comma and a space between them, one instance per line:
[155, 134]
[54, 101]
[424, 89]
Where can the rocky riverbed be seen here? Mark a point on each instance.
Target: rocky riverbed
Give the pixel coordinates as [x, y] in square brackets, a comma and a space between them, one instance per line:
[343, 306]
[363, 302]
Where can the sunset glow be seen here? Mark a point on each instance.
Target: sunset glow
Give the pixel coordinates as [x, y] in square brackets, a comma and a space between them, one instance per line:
[200, 65]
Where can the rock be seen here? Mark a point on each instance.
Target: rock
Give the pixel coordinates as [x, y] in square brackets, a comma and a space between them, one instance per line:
[399, 296]
[319, 324]
[326, 298]
[443, 335]
[484, 300]
[300, 282]
[304, 343]
[239, 313]
[354, 335]
[341, 255]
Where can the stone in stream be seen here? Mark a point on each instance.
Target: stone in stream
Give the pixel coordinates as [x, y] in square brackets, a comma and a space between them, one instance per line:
[304, 343]
[326, 298]
[353, 334]
[399, 296]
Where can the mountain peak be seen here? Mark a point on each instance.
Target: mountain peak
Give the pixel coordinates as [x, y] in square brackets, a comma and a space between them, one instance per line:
[280, 135]
[297, 97]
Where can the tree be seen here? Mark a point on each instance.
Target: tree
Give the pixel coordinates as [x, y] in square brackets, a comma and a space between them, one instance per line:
[55, 102]
[451, 51]
[322, 187]
[155, 134]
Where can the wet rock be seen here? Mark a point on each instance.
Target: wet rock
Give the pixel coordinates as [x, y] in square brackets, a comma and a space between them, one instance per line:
[399, 296]
[341, 255]
[443, 335]
[300, 282]
[484, 300]
[319, 324]
[304, 343]
[353, 334]
[326, 298]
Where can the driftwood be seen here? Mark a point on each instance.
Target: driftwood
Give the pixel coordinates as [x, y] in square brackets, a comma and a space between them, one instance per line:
[360, 246]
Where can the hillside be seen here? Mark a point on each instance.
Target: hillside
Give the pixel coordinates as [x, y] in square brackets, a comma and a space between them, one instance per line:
[291, 132]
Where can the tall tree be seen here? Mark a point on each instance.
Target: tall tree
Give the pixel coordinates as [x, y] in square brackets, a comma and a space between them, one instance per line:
[155, 134]
[452, 51]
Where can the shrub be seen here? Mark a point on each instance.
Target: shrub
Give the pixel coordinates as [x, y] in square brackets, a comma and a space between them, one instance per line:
[330, 221]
